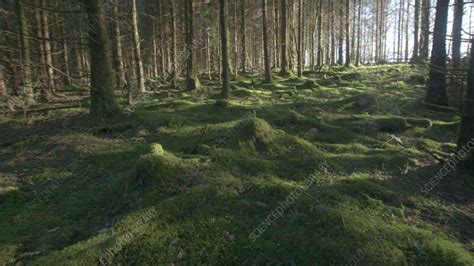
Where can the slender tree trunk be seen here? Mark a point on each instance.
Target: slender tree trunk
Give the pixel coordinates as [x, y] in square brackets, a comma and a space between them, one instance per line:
[341, 34]
[299, 52]
[225, 50]
[359, 27]
[283, 38]
[457, 32]
[192, 82]
[3, 87]
[208, 54]
[162, 39]
[243, 38]
[416, 32]
[119, 65]
[25, 53]
[333, 34]
[425, 30]
[276, 34]
[47, 50]
[437, 92]
[137, 49]
[348, 34]
[102, 75]
[266, 48]
[400, 27]
[236, 41]
[407, 33]
[320, 28]
[154, 55]
[174, 66]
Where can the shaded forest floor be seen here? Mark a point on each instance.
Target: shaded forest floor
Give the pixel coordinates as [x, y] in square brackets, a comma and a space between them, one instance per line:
[340, 157]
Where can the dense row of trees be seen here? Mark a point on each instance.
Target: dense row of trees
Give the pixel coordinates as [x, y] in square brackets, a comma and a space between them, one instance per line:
[171, 39]
[48, 45]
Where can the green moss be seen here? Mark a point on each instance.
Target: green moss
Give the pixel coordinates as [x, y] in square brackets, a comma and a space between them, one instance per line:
[307, 84]
[255, 130]
[419, 122]
[392, 124]
[224, 171]
[167, 172]
[242, 93]
[222, 103]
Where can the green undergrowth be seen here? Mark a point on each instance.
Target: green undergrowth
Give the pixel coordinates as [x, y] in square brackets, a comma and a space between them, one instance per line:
[191, 178]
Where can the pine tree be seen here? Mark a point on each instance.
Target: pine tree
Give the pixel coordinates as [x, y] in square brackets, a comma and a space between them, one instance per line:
[102, 75]
[225, 93]
[437, 93]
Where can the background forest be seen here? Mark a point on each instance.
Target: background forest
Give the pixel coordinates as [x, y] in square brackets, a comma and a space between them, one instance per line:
[312, 132]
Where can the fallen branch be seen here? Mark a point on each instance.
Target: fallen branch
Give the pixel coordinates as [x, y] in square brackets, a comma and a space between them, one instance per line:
[24, 112]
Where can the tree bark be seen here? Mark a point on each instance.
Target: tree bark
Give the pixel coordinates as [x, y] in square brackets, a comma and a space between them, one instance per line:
[192, 81]
[225, 50]
[425, 30]
[137, 49]
[25, 53]
[457, 32]
[266, 48]
[466, 129]
[359, 27]
[102, 75]
[174, 66]
[416, 32]
[348, 34]
[119, 65]
[243, 38]
[51, 86]
[437, 92]
[320, 28]
[341, 34]
[299, 52]
[283, 38]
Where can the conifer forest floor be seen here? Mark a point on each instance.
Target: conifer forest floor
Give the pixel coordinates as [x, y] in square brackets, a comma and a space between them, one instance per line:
[330, 169]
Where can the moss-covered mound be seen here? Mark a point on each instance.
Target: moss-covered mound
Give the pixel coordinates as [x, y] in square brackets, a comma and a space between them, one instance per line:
[164, 170]
[256, 131]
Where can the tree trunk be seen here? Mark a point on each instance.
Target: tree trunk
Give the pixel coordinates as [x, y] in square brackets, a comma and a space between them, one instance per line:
[299, 52]
[407, 33]
[192, 81]
[340, 60]
[174, 66]
[3, 87]
[162, 39]
[236, 41]
[425, 30]
[466, 129]
[47, 50]
[416, 32]
[348, 34]
[137, 49]
[102, 75]
[25, 53]
[225, 50]
[276, 33]
[457, 32]
[119, 65]
[320, 28]
[243, 38]
[437, 93]
[359, 27]
[283, 39]
[266, 48]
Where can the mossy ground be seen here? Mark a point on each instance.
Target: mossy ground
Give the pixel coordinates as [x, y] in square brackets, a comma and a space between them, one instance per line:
[213, 170]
